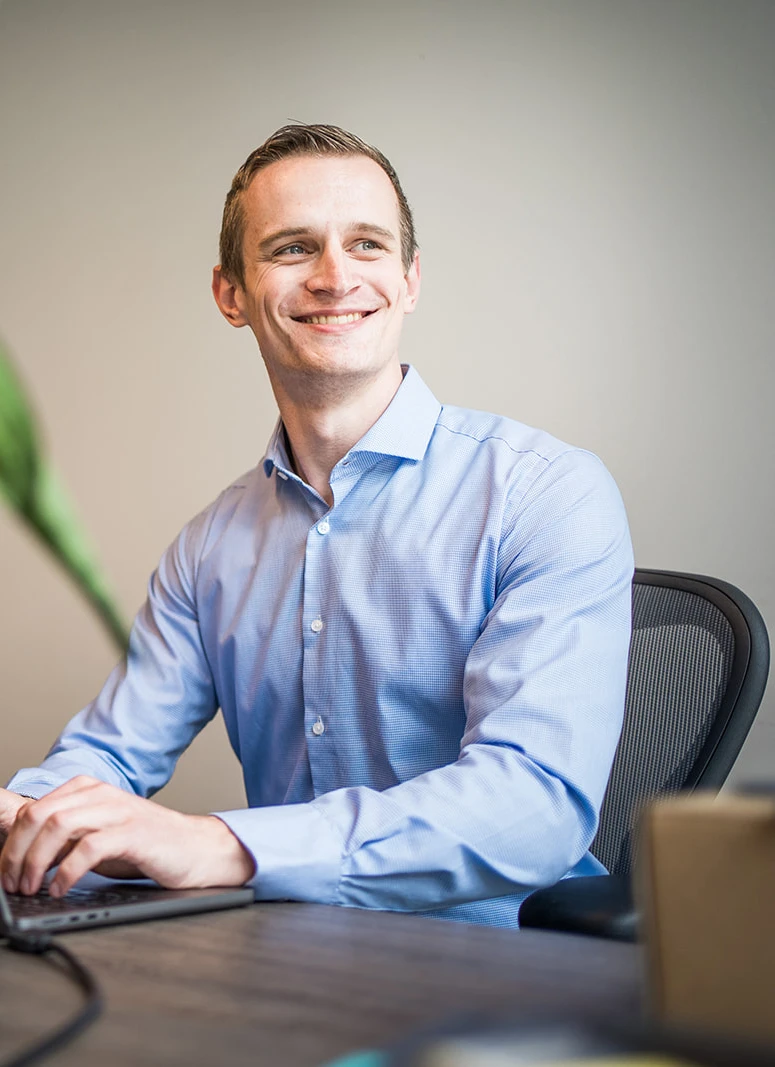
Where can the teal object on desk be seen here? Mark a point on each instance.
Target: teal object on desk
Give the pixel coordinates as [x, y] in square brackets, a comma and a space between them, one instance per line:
[360, 1059]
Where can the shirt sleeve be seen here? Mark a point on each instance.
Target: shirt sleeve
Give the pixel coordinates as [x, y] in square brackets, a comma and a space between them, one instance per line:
[153, 703]
[544, 690]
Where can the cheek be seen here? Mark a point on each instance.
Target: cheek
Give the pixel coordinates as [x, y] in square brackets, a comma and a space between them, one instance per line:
[266, 305]
[277, 300]
[266, 289]
[391, 287]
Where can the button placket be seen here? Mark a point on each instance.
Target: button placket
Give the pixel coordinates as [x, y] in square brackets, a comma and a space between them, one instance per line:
[314, 671]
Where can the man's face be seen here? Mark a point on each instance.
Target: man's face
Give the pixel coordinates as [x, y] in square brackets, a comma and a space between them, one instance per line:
[325, 290]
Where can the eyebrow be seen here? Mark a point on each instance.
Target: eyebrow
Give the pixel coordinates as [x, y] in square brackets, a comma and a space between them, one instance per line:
[303, 231]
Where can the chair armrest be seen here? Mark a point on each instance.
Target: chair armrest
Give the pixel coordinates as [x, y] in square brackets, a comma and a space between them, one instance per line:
[600, 906]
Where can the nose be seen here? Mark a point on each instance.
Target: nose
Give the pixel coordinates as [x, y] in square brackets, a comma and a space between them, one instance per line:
[333, 272]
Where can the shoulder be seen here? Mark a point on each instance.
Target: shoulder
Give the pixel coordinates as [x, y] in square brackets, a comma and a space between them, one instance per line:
[521, 459]
[211, 519]
[208, 527]
[539, 488]
[497, 432]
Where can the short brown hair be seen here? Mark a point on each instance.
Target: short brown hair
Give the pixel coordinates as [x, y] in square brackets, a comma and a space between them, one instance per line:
[302, 140]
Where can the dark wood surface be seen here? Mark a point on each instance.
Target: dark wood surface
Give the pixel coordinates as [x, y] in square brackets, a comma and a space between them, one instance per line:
[294, 985]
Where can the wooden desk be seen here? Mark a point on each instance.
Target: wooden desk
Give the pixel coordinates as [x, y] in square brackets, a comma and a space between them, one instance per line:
[292, 985]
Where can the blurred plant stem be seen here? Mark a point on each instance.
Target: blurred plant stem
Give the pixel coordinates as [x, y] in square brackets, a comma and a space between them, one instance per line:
[34, 492]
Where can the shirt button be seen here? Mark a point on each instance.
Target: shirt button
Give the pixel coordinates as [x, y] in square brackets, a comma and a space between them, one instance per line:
[316, 626]
[324, 526]
[318, 727]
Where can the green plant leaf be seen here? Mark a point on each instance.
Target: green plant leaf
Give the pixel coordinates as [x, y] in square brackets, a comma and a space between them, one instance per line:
[32, 489]
[18, 451]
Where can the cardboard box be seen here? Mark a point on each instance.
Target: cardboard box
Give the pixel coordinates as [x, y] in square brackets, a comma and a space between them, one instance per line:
[706, 885]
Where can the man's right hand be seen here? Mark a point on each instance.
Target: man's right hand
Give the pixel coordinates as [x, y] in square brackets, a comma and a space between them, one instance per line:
[86, 824]
[10, 806]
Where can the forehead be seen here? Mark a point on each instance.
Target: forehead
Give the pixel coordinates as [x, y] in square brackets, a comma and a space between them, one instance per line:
[320, 192]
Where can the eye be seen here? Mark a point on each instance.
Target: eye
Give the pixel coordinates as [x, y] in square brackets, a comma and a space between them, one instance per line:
[367, 245]
[291, 250]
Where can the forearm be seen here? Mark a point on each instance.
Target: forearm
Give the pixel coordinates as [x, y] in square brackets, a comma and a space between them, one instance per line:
[459, 833]
[66, 761]
[108, 741]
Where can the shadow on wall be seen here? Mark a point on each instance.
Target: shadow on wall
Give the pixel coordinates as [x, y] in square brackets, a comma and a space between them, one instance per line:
[32, 489]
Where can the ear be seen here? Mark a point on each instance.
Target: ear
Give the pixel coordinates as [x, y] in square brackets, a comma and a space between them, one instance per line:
[229, 297]
[412, 278]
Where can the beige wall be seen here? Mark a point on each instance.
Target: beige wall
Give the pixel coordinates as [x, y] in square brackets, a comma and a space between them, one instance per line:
[593, 186]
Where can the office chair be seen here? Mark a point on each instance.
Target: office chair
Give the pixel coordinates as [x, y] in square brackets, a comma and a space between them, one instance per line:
[699, 659]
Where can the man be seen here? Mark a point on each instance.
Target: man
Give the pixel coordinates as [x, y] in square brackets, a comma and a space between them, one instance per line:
[415, 619]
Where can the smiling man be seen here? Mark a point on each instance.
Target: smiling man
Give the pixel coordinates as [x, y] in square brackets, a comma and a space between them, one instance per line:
[414, 618]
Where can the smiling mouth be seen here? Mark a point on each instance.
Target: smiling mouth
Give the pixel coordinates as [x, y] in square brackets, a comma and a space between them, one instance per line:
[334, 320]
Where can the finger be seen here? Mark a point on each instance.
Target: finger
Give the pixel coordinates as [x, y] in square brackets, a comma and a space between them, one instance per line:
[72, 785]
[28, 825]
[92, 850]
[34, 816]
[38, 847]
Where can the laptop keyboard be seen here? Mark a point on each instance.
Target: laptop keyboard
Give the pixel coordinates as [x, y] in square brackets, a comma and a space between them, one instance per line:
[42, 904]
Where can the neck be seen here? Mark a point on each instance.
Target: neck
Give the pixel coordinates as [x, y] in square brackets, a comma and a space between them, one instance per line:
[321, 429]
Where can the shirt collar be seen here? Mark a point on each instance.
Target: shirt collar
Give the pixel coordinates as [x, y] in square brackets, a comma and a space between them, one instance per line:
[403, 430]
[277, 452]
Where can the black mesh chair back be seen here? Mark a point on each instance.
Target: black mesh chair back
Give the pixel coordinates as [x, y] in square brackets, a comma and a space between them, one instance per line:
[699, 659]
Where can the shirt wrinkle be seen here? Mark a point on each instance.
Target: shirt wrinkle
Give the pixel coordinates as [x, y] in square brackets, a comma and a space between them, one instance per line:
[487, 437]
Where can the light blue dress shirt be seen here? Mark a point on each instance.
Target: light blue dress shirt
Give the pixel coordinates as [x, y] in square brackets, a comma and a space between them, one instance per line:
[424, 683]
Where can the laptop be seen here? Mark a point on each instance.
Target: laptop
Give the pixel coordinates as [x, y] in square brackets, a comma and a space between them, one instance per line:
[97, 901]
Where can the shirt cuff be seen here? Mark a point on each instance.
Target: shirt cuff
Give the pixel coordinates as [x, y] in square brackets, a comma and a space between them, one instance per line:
[297, 853]
[34, 787]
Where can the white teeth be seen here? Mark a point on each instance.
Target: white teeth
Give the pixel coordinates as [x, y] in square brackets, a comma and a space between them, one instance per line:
[333, 320]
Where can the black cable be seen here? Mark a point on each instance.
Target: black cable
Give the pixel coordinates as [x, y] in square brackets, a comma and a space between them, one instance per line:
[42, 945]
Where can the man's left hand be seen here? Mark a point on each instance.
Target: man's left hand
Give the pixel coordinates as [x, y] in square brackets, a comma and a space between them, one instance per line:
[87, 825]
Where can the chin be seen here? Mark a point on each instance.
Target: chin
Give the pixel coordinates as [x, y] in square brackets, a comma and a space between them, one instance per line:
[344, 363]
